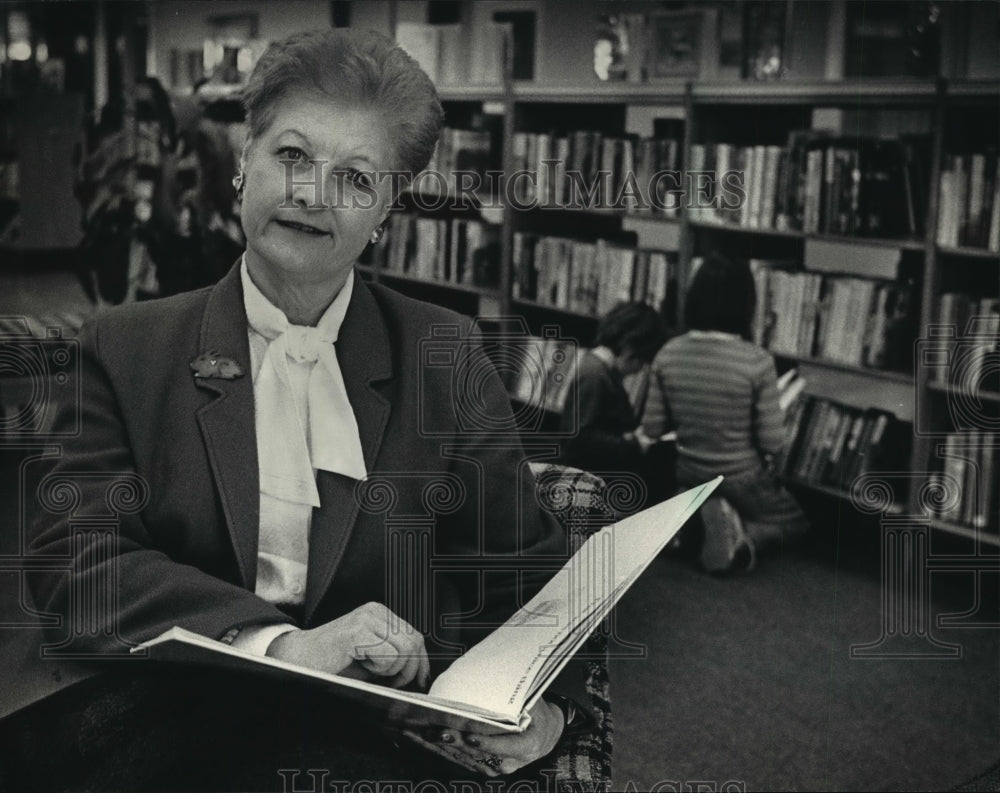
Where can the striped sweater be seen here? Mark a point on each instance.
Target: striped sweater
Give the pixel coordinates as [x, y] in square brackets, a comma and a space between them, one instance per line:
[720, 394]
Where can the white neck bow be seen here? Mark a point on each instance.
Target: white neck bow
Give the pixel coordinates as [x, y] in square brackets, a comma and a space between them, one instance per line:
[289, 445]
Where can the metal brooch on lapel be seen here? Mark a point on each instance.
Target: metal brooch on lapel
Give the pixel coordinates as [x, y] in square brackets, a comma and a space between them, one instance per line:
[211, 364]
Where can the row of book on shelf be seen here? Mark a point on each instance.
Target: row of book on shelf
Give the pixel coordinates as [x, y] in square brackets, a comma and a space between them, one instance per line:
[590, 277]
[832, 444]
[817, 184]
[967, 480]
[461, 251]
[608, 171]
[462, 150]
[969, 198]
[855, 321]
[967, 336]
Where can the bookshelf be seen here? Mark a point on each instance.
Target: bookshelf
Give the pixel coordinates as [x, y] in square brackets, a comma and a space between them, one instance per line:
[924, 122]
[957, 395]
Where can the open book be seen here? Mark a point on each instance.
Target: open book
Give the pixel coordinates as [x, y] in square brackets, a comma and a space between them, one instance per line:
[498, 680]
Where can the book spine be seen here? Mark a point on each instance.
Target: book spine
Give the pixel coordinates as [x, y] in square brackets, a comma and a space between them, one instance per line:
[946, 189]
[954, 470]
[873, 443]
[828, 202]
[769, 187]
[974, 214]
[832, 470]
[810, 443]
[697, 166]
[723, 164]
[849, 453]
[813, 189]
[760, 272]
[793, 425]
[756, 185]
[562, 162]
[833, 421]
[993, 238]
[970, 487]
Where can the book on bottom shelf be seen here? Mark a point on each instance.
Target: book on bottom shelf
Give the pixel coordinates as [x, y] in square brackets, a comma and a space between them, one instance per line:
[519, 659]
[967, 476]
[832, 444]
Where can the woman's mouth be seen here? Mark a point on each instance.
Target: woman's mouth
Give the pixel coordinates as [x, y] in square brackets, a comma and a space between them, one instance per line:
[291, 224]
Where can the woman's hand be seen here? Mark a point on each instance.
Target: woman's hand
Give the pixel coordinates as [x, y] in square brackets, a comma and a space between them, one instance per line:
[495, 754]
[369, 643]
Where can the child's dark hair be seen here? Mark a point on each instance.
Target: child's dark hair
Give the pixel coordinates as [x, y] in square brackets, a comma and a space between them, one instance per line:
[722, 296]
[634, 326]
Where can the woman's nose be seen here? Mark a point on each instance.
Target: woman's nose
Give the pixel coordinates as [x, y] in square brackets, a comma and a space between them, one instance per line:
[306, 185]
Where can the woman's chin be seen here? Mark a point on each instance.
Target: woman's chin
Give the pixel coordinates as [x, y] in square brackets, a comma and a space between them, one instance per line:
[281, 265]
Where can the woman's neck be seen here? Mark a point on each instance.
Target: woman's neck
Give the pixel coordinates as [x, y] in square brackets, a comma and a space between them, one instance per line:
[302, 304]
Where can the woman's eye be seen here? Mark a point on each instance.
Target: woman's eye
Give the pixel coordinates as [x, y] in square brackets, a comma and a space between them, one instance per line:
[291, 153]
[358, 178]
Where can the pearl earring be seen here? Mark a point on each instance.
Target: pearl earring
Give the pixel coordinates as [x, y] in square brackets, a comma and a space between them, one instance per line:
[377, 234]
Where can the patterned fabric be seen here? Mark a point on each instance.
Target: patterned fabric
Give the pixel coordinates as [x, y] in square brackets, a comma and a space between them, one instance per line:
[577, 499]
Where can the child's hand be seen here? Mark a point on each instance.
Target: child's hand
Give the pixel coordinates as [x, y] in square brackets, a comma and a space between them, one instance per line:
[645, 442]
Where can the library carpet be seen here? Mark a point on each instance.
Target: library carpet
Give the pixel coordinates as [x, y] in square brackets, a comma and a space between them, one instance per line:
[749, 681]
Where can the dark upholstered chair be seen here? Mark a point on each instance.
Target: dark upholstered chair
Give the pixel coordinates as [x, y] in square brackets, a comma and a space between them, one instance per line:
[579, 500]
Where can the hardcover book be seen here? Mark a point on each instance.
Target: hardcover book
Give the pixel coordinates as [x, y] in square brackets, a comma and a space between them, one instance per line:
[498, 681]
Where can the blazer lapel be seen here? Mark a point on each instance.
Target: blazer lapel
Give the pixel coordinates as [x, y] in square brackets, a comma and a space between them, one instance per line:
[365, 357]
[227, 422]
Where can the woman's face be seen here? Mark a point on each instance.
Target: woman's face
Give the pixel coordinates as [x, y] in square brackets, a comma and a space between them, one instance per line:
[307, 222]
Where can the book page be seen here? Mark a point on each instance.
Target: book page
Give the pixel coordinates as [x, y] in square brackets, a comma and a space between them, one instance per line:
[517, 660]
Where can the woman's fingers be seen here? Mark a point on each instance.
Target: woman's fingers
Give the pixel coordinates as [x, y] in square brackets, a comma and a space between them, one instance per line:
[517, 749]
[366, 643]
[388, 646]
[409, 672]
[517, 746]
[453, 752]
[424, 671]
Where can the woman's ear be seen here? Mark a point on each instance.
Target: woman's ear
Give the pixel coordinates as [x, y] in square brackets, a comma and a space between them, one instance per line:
[246, 150]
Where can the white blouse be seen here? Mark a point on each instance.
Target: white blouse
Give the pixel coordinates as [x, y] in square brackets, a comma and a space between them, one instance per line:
[304, 422]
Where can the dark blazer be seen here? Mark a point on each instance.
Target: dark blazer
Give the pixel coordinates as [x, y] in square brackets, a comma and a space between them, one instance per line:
[188, 557]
